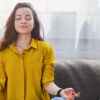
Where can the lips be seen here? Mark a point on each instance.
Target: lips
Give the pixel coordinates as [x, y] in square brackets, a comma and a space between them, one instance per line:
[23, 26]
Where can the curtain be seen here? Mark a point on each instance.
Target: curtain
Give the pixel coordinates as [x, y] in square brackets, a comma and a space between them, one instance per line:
[71, 27]
[87, 30]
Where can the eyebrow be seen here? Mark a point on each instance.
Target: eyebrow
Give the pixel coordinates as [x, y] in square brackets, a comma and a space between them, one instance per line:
[26, 15]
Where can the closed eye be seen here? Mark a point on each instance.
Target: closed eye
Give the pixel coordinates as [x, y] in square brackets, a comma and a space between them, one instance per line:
[17, 19]
[28, 19]
[20, 19]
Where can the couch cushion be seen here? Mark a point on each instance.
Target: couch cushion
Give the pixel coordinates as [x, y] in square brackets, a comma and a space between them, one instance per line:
[82, 75]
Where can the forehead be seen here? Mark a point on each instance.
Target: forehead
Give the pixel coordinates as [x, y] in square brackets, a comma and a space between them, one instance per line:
[23, 11]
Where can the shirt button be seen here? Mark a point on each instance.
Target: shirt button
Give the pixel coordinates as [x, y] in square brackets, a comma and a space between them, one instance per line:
[23, 53]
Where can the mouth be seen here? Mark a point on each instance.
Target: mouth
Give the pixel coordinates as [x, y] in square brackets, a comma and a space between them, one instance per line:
[23, 27]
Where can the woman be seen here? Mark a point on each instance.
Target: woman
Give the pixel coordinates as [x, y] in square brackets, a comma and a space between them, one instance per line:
[26, 62]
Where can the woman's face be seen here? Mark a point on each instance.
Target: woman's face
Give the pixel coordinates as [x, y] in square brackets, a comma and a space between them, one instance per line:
[24, 21]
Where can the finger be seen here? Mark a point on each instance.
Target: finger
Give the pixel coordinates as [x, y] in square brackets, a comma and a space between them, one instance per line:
[77, 95]
[71, 89]
[65, 96]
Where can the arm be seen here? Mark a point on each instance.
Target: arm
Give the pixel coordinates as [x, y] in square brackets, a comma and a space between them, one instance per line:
[52, 88]
[0, 87]
[48, 78]
[68, 93]
[2, 74]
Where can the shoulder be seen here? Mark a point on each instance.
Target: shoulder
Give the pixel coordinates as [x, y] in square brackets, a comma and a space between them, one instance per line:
[44, 45]
[3, 53]
[47, 52]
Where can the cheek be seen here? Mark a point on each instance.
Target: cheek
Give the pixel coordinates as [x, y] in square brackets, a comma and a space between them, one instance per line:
[31, 25]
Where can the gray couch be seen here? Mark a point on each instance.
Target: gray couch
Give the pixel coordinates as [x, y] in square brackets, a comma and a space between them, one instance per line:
[82, 75]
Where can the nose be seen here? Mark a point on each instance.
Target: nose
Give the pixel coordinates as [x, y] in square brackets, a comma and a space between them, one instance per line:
[23, 20]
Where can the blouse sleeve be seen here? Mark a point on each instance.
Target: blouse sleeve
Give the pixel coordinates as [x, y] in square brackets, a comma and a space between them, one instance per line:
[48, 68]
[2, 74]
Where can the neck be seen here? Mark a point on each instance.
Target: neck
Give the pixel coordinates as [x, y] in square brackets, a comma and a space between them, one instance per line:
[23, 41]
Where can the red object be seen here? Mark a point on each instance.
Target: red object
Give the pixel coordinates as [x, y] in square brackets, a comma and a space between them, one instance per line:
[78, 93]
[72, 93]
[73, 90]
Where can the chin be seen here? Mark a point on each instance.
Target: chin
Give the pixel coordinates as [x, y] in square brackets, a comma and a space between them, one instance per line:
[23, 32]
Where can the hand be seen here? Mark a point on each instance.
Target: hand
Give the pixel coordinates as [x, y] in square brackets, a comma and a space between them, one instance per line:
[69, 94]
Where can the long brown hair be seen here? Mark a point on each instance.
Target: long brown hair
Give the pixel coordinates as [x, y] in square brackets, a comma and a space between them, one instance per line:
[10, 34]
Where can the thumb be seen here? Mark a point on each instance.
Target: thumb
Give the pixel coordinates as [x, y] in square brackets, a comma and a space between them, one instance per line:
[64, 96]
[77, 95]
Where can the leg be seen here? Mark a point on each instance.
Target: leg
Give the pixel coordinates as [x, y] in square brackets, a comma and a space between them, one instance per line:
[58, 98]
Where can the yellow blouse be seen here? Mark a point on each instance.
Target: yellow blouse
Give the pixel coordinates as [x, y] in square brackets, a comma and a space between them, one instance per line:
[24, 77]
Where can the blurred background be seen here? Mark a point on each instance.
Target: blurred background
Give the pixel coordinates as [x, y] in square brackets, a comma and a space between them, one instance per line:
[71, 27]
